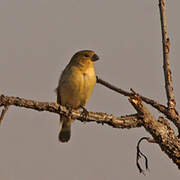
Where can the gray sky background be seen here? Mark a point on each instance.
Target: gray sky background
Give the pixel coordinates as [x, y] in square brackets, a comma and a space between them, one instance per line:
[37, 40]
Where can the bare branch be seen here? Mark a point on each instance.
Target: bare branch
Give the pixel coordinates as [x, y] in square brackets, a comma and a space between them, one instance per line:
[130, 121]
[161, 131]
[172, 113]
[166, 60]
[3, 113]
[173, 116]
[153, 103]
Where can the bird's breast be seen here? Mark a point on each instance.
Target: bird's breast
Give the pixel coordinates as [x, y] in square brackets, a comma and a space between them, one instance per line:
[89, 81]
[77, 87]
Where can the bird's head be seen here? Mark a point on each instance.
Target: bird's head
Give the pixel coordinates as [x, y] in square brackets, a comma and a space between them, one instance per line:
[85, 57]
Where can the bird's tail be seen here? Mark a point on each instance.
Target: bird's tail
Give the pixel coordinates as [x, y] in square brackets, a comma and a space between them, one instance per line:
[65, 133]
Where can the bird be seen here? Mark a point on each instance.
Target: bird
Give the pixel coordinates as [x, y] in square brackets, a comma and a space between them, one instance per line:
[75, 87]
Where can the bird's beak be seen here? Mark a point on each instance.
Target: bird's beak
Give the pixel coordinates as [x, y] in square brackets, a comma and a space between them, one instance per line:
[95, 57]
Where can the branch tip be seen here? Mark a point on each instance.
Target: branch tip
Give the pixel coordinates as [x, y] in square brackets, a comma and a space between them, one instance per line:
[140, 154]
[3, 113]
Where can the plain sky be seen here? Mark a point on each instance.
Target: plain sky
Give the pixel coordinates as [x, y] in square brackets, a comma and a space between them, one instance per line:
[37, 40]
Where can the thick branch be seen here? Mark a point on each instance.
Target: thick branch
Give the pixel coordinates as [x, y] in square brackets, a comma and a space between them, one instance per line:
[166, 59]
[161, 131]
[130, 121]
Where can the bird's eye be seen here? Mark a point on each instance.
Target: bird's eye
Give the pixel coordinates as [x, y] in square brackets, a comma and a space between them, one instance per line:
[86, 55]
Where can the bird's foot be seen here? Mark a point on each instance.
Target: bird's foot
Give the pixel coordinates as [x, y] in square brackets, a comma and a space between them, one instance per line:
[70, 111]
[84, 113]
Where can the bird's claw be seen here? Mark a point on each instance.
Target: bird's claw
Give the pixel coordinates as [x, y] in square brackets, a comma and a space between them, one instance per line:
[84, 113]
[70, 111]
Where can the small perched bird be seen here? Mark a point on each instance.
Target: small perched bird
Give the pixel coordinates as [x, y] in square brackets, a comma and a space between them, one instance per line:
[75, 87]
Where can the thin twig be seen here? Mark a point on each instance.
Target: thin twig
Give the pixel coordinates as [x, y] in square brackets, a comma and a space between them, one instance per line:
[166, 59]
[139, 154]
[172, 112]
[153, 103]
[3, 113]
[161, 108]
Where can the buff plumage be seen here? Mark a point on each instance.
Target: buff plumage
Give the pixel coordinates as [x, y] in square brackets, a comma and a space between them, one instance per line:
[76, 84]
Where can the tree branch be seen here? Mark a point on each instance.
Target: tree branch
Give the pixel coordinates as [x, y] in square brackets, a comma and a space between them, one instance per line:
[166, 59]
[172, 112]
[153, 103]
[174, 117]
[129, 121]
[161, 130]
[3, 113]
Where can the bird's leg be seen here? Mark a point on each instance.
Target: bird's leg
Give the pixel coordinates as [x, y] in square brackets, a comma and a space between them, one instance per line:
[70, 111]
[84, 112]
